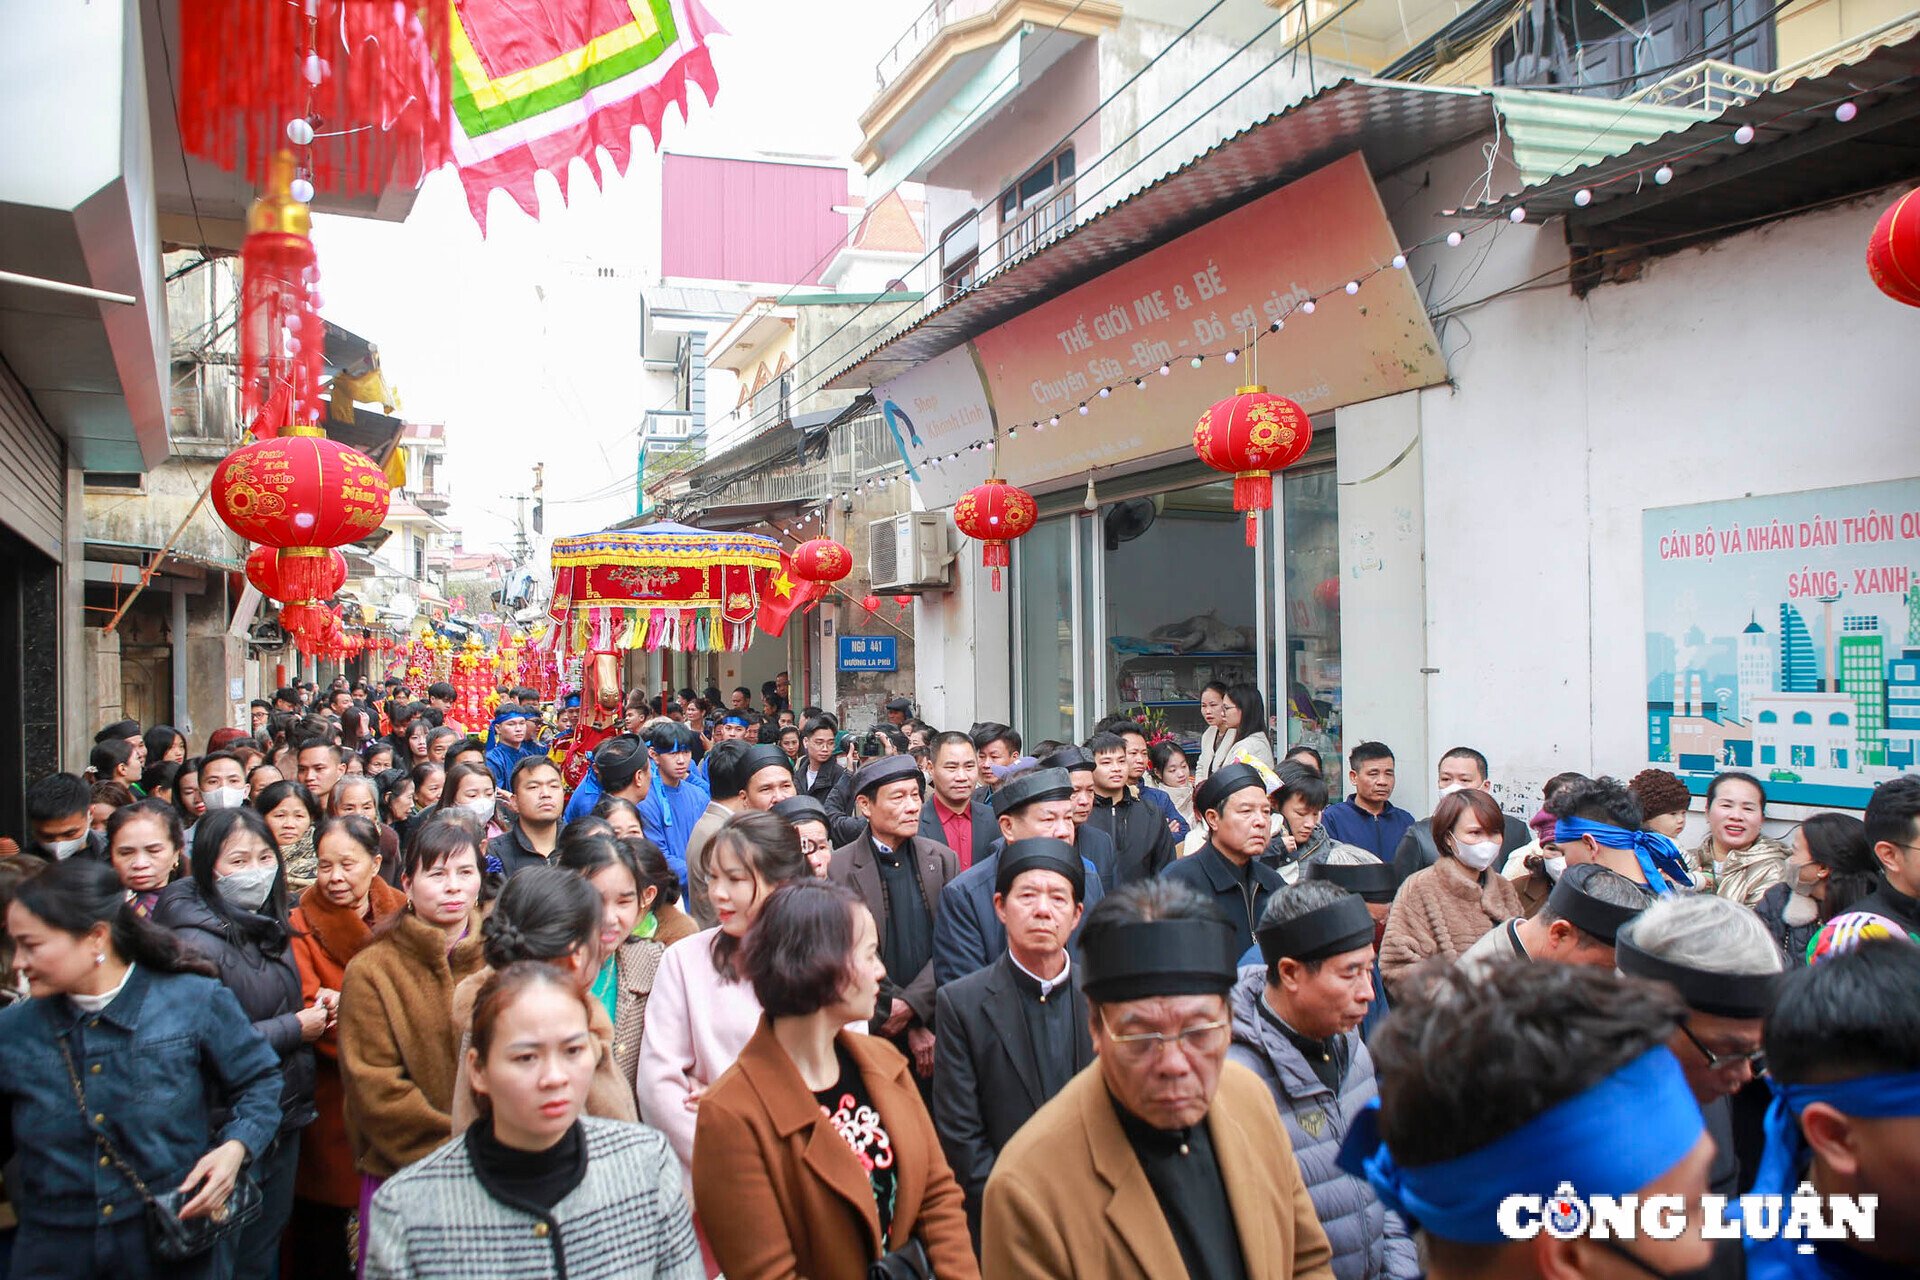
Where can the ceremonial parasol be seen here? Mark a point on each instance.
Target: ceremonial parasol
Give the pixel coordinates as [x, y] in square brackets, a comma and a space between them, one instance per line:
[663, 586]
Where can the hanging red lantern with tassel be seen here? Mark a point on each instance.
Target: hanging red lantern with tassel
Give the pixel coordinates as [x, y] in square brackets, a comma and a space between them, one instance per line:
[1253, 434]
[1893, 251]
[870, 603]
[904, 602]
[263, 571]
[995, 513]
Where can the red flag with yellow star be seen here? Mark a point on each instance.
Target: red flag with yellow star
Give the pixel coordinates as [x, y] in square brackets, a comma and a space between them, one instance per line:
[784, 596]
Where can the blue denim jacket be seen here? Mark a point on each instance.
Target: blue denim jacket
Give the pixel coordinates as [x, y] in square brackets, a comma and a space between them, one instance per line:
[152, 1063]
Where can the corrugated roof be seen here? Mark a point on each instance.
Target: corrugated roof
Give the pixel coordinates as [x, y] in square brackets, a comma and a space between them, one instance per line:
[1552, 133]
[1393, 125]
[1800, 153]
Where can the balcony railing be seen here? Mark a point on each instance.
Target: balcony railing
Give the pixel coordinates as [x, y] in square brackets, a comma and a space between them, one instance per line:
[1709, 85]
[432, 501]
[1054, 213]
[930, 22]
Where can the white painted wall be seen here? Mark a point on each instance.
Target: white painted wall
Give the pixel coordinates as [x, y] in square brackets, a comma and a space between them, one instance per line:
[1377, 460]
[1765, 363]
[962, 640]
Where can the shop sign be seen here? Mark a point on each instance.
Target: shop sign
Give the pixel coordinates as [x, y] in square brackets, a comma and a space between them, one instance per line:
[869, 653]
[1783, 639]
[1215, 287]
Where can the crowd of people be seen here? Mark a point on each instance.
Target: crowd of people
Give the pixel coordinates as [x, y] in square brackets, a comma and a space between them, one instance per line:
[683, 985]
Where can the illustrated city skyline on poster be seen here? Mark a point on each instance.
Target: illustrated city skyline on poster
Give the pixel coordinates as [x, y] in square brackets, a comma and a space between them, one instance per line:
[1783, 638]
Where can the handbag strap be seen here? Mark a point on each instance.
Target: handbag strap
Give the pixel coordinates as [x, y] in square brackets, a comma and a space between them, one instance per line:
[86, 1117]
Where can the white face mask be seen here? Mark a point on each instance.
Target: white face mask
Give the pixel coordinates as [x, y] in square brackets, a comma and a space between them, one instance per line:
[224, 798]
[1554, 866]
[64, 849]
[1450, 788]
[481, 809]
[1477, 856]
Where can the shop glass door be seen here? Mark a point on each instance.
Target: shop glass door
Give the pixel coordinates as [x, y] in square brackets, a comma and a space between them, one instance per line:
[1045, 623]
[1181, 605]
[1310, 554]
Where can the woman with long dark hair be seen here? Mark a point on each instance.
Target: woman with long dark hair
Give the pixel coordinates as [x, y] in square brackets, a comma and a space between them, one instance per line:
[702, 1011]
[551, 916]
[163, 1057]
[1242, 720]
[1832, 867]
[334, 922]
[232, 913]
[187, 801]
[164, 742]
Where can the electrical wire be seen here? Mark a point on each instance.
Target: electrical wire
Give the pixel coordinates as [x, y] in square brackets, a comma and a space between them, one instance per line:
[1291, 47]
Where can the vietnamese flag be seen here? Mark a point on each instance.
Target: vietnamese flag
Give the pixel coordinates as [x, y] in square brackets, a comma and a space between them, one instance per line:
[784, 595]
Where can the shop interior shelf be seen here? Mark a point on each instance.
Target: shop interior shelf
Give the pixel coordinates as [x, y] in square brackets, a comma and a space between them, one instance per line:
[1198, 653]
[1190, 702]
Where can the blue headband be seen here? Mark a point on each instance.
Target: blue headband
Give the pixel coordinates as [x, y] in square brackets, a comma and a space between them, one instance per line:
[1657, 854]
[1581, 1141]
[512, 712]
[1868, 1097]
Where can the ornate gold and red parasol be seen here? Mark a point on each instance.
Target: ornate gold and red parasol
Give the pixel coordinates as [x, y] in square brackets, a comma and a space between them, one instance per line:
[663, 586]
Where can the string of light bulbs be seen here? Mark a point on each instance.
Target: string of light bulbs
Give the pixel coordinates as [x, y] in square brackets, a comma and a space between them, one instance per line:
[1843, 108]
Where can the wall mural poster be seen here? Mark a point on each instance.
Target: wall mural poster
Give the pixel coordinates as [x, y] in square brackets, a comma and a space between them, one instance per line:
[1783, 638]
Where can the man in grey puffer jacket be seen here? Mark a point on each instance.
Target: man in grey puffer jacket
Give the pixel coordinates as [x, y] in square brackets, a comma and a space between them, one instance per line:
[1295, 1023]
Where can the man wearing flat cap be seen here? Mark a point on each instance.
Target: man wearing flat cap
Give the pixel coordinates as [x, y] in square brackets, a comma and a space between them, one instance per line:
[1013, 1034]
[899, 711]
[968, 936]
[1576, 925]
[1296, 1025]
[1162, 1159]
[899, 874]
[1232, 802]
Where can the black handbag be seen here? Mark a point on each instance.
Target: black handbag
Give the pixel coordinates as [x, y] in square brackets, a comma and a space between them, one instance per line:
[908, 1262]
[172, 1238]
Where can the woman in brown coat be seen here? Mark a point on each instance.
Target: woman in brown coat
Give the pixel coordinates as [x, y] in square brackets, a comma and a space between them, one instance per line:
[813, 1154]
[548, 915]
[1443, 909]
[397, 1046]
[333, 923]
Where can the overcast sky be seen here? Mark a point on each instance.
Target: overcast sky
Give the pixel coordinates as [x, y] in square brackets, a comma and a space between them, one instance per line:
[461, 330]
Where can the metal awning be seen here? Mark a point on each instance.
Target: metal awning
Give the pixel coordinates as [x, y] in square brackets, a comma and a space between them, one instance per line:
[734, 516]
[1392, 125]
[1800, 155]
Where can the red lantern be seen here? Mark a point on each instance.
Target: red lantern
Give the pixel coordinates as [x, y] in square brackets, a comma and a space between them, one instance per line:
[995, 513]
[821, 560]
[1252, 434]
[905, 602]
[870, 603]
[1893, 251]
[301, 492]
[264, 572]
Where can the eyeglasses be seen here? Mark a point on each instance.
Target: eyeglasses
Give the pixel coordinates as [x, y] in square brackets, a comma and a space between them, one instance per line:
[1756, 1060]
[1205, 1039]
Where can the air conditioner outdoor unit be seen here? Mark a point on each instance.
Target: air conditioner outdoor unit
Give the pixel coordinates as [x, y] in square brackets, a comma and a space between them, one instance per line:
[908, 551]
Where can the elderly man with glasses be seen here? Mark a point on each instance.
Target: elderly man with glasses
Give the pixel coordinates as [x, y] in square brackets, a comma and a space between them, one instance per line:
[1727, 969]
[1161, 1158]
